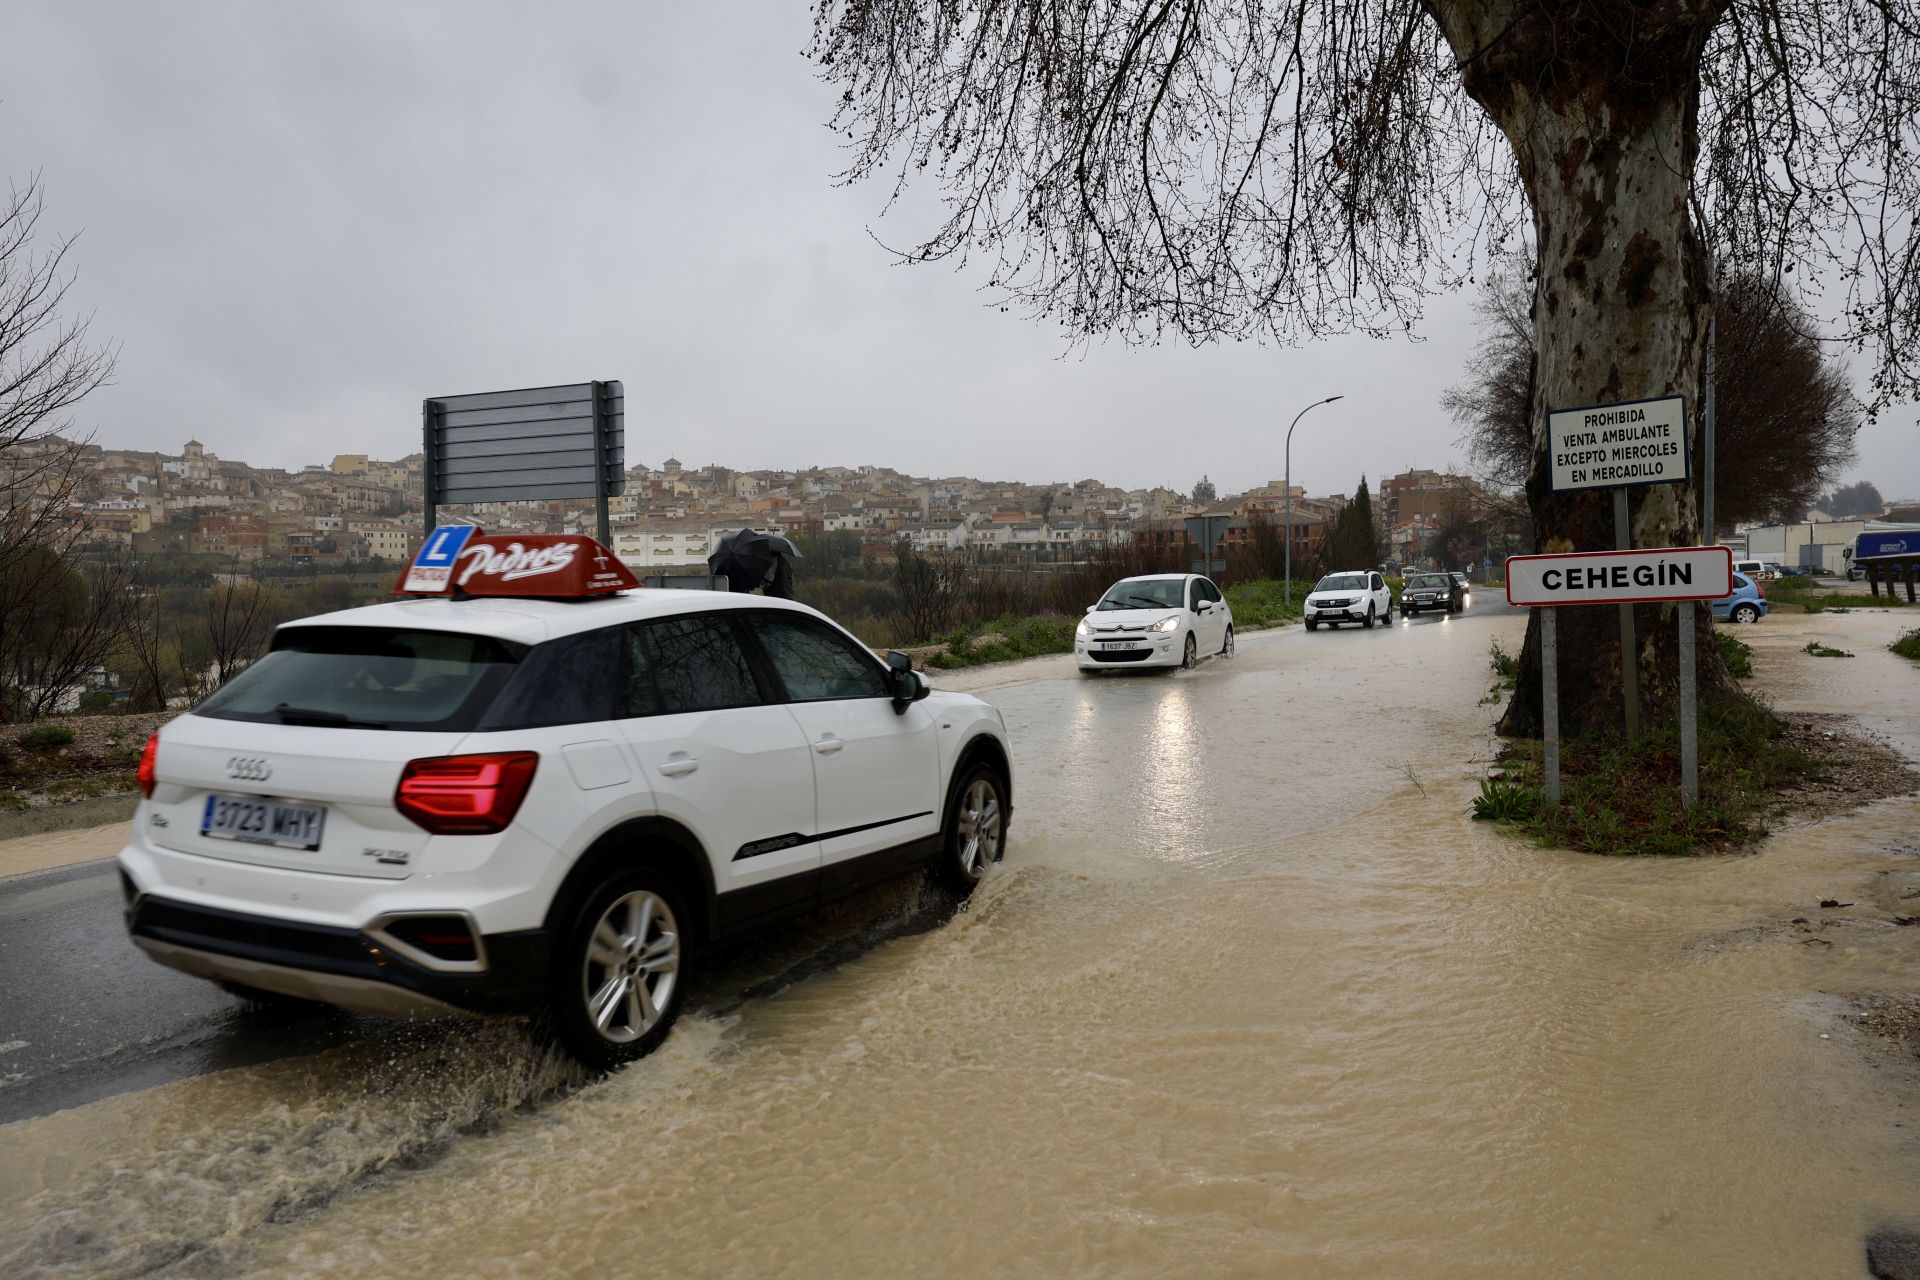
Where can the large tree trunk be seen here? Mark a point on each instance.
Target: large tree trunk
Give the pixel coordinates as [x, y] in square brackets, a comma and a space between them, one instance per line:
[1599, 100]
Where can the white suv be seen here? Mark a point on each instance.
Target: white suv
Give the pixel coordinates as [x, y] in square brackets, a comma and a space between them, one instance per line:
[1360, 596]
[545, 806]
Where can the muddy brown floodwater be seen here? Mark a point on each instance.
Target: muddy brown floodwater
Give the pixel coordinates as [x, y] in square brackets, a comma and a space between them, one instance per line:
[1252, 996]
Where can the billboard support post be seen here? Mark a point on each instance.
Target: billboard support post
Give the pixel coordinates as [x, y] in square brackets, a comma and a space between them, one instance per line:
[429, 476]
[602, 426]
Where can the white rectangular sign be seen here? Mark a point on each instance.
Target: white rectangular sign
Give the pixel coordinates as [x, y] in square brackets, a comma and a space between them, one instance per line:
[1604, 445]
[1621, 577]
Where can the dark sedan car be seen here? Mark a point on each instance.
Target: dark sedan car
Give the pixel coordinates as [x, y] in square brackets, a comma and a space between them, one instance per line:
[1425, 592]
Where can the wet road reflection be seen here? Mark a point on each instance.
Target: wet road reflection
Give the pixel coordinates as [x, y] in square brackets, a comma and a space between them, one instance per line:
[1252, 996]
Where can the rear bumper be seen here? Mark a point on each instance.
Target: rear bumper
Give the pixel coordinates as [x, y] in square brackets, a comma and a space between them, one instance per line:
[337, 966]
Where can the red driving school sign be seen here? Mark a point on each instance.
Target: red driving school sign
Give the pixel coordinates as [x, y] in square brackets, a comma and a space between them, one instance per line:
[549, 566]
[1621, 577]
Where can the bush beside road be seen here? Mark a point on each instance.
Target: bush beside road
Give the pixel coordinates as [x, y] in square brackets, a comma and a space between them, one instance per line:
[1760, 766]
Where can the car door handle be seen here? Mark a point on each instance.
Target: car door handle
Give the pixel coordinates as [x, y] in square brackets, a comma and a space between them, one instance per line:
[678, 765]
[828, 744]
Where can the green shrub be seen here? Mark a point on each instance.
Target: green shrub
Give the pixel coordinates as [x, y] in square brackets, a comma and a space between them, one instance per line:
[1504, 800]
[1736, 653]
[1819, 650]
[1263, 603]
[1625, 800]
[1503, 664]
[1011, 638]
[46, 737]
[1908, 645]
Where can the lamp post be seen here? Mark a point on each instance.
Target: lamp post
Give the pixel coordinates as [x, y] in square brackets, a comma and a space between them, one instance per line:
[1287, 532]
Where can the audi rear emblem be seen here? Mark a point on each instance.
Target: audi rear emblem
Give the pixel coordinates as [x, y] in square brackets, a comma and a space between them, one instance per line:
[249, 769]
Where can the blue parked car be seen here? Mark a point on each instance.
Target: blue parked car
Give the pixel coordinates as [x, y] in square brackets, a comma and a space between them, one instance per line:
[1746, 604]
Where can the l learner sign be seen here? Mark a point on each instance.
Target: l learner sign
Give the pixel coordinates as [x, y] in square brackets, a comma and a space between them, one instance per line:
[1633, 442]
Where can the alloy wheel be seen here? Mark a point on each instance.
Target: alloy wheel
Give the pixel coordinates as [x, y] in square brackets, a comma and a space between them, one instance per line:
[979, 827]
[631, 967]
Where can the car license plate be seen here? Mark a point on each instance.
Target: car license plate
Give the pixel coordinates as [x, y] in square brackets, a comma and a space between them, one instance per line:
[254, 820]
[1111, 645]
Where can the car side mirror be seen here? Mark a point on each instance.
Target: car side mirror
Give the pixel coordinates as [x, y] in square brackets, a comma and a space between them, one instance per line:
[908, 685]
[1205, 606]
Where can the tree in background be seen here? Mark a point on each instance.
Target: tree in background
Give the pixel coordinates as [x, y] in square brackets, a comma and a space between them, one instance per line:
[1204, 493]
[1784, 420]
[1460, 536]
[52, 615]
[64, 620]
[1860, 498]
[1354, 543]
[239, 621]
[1290, 169]
[930, 592]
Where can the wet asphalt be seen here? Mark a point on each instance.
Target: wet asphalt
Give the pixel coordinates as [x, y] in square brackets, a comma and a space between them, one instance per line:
[84, 1015]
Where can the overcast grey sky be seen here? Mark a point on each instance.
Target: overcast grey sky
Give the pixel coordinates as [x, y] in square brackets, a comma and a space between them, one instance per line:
[300, 219]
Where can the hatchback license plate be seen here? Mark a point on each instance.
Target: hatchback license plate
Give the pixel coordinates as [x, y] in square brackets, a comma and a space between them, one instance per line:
[1111, 645]
[254, 820]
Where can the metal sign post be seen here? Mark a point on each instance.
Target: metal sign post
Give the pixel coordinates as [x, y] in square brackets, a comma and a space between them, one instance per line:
[1206, 533]
[1550, 698]
[1629, 652]
[1625, 578]
[1617, 446]
[1689, 723]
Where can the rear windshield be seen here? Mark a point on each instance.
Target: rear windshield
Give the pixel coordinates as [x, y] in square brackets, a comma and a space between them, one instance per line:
[368, 678]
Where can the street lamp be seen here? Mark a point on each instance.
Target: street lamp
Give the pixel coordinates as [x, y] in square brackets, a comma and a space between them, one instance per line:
[1286, 532]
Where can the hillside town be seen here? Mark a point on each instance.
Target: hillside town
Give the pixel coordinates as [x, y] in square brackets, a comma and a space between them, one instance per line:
[357, 508]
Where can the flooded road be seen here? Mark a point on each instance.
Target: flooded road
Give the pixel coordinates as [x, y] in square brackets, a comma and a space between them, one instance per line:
[1251, 996]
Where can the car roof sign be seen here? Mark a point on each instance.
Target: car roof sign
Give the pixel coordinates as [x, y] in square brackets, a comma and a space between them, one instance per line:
[432, 569]
[565, 566]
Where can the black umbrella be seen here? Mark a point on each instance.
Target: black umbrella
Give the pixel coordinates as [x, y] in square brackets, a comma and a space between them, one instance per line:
[748, 556]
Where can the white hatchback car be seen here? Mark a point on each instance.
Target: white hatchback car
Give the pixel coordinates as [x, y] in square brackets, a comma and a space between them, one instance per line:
[1360, 596]
[545, 806]
[1158, 620]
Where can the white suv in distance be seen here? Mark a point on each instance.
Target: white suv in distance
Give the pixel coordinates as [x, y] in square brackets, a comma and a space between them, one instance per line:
[1157, 620]
[545, 806]
[1360, 596]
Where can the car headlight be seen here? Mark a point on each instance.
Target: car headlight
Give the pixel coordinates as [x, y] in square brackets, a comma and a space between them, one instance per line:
[1083, 630]
[1166, 624]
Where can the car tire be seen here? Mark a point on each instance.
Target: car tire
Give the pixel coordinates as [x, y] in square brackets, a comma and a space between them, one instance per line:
[1367, 621]
[1745, 613]
[1226, 649]
[1312, 625]
[1190, 655]
[975, 832]
[632, 925]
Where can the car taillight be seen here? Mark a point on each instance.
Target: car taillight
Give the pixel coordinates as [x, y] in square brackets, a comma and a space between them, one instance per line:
[145, 772]
[1761, 587]
[465, 795]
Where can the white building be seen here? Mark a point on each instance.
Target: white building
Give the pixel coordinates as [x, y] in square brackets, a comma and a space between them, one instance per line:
[1813, 543]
